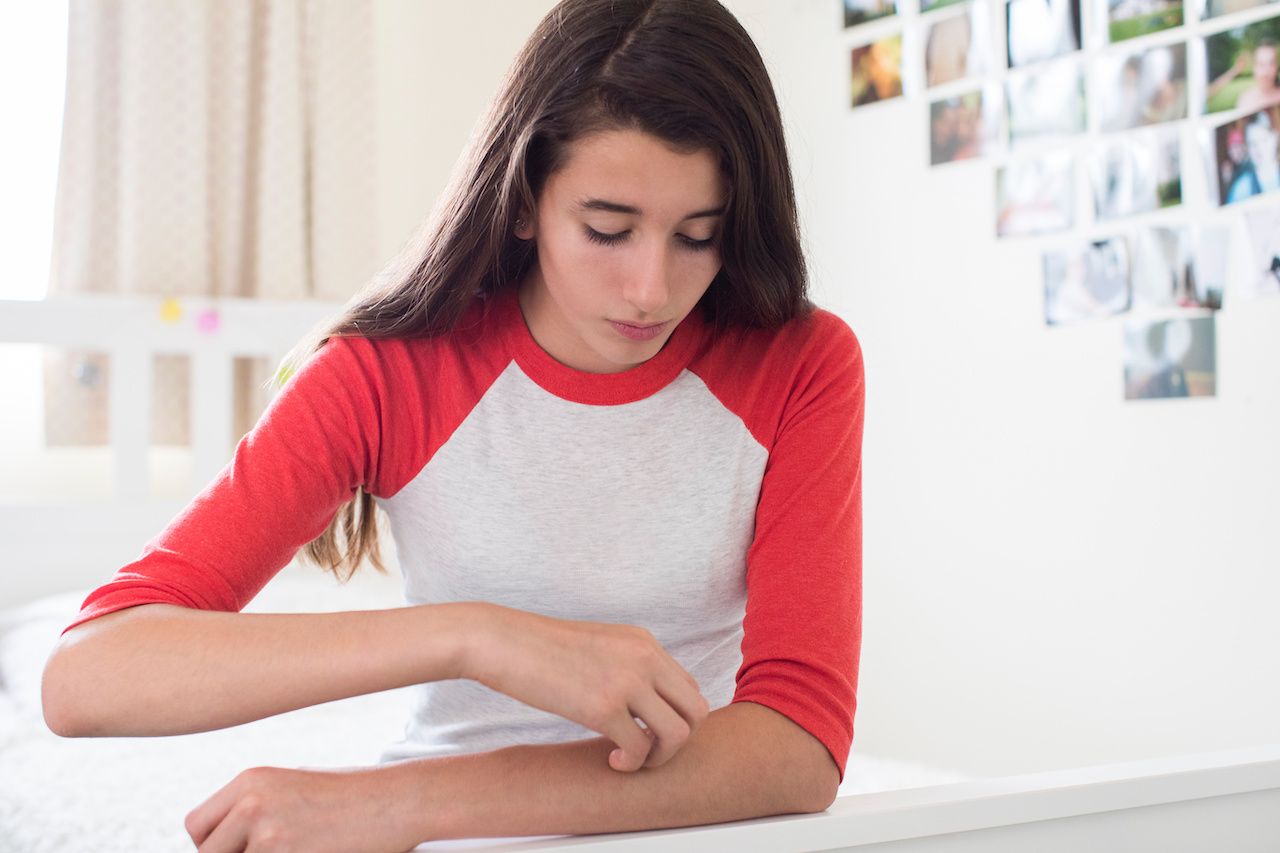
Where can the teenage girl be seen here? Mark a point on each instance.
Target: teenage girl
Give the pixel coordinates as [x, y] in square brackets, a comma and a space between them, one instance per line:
[619, 451]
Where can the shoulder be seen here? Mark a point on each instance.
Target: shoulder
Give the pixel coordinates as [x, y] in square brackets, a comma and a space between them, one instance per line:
[768, 376]
[822, 357]
[819, 340]
[822, 333]
[355, 367]
[392, 363]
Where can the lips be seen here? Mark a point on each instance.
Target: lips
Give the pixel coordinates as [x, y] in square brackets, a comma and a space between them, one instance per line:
[639, 333]
[637, 325]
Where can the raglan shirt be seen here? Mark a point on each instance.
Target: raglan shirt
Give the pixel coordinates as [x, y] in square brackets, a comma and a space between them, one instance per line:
[711, 494]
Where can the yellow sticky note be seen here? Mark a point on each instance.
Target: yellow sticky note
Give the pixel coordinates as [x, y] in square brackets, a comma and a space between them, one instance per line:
[170, 310]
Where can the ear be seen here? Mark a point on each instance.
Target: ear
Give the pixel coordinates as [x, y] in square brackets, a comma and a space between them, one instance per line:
[524, 225]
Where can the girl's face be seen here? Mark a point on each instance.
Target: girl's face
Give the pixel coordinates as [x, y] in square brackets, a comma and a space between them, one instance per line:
[1261, 141]
[623, 233]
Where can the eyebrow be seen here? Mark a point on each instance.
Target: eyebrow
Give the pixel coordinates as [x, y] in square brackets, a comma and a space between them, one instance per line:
[618, 207]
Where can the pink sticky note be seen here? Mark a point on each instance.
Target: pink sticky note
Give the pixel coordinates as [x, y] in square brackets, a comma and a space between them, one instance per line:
[207, 321]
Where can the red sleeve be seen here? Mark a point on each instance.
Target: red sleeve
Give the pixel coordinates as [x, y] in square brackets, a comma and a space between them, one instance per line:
[803, 624]
[315, 444]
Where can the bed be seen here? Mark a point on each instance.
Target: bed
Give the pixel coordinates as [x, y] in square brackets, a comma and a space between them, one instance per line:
[118, 794]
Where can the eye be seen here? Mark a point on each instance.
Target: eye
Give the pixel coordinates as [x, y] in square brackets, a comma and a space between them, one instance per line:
[606, 239]
[614, 239]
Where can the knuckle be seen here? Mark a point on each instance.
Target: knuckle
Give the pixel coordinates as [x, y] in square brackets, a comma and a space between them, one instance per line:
[676, 736]
[642, 636]
[253, 776]
[251, 806]
[624, 688]
[600, 710]
[683, 731]
[646, 658]
[267, 835]
[272, 837]
[663, 752]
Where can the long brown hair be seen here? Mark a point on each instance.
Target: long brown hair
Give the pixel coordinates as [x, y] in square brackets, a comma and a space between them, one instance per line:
[684, 71]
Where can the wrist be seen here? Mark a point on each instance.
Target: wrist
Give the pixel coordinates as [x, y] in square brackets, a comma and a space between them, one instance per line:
[403, 792]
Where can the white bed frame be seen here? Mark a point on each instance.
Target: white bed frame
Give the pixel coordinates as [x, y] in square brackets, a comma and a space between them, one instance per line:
[1226, 801]
[67, 545]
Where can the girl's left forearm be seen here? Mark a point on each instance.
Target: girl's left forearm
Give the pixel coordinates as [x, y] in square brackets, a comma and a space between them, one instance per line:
[746, 761]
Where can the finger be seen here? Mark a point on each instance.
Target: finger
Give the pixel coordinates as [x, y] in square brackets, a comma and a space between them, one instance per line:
[687, 701]
[229, 836]
[674, 665]
[669, 729]
[201, 820]
[633, 743]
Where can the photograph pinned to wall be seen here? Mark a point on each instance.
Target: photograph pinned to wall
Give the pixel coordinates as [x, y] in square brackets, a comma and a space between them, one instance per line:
[963, 126]
[1170, 358]
[1263, 278]
[1034, 195]
[1240, 67]
[860, 11]
[1047, 101]
[1087, 281]
[1244, 156]
[1209, 256]
[1141, 88]
[1125, 19]
[1136, 173]
[957, 45]
[876, 71]
[1041, 29]
[1179, 267]
[1214, 8]
[1161, 266]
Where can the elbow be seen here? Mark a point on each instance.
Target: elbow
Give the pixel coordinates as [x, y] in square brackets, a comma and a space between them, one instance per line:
[78, 695]
[822, 777]
[827, 795]
[71, 684]
[825, 788]
[57, 700]
[810, 785]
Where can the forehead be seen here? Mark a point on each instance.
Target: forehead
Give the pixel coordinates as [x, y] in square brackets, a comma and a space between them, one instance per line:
[635, 168]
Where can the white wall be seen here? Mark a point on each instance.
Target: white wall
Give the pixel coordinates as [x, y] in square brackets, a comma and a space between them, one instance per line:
[438, 66]
[1053, 577]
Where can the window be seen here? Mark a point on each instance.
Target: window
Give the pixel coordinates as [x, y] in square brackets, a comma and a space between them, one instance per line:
[33, 54]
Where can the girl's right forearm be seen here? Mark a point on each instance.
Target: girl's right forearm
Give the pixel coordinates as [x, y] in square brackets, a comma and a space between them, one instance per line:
[160, 669]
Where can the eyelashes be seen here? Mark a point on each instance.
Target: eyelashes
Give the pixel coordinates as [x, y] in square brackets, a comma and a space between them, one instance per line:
[614, 239]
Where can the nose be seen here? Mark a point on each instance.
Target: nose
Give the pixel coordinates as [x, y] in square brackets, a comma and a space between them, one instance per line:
[648, 288]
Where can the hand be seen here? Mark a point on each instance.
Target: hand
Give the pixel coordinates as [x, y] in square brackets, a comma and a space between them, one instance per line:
[274, 809]
[597, 674]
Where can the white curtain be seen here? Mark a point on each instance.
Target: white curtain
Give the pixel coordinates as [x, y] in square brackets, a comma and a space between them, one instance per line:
[212, 148]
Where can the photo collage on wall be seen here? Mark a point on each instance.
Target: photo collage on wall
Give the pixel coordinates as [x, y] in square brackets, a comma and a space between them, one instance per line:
[1125, 96]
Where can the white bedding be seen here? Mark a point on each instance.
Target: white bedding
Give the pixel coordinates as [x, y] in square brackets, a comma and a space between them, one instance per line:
[104, 795]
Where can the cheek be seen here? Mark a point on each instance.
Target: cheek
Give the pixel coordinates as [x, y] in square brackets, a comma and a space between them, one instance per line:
[582, 276]
[566, 260]
[708, 266]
